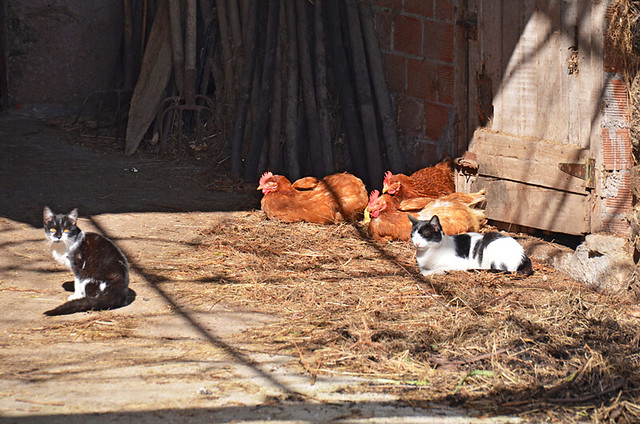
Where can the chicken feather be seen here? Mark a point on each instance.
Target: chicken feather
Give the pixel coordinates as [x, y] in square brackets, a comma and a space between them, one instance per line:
[335, 198]
[388, 222]
[434, 181]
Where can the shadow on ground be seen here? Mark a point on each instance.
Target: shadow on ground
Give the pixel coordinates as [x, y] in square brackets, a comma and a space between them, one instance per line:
[285, 411]
[39, 165]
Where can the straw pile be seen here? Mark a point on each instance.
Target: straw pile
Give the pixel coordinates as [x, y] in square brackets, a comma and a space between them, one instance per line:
[494, 342]
[623, 47]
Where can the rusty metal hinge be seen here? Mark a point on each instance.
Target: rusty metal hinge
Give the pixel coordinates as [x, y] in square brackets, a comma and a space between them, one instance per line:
[585, 171]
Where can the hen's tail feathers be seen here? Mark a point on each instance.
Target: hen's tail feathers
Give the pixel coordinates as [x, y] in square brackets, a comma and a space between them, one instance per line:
[306, 183]
[88, 303]
[478, 198]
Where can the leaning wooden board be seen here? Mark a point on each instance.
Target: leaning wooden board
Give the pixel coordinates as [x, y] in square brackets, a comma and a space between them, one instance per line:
[154, 76]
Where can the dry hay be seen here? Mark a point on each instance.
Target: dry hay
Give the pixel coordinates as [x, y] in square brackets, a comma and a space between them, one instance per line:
[98, 327]
[623, 47]
[623, 33]
[495, 342]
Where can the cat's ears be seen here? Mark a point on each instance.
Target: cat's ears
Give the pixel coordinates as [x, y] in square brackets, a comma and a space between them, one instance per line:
[47, 214]
[73, 216]
[434, 222]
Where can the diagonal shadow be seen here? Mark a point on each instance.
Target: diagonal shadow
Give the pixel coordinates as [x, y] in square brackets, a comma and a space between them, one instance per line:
[564, 25]
[154, 281]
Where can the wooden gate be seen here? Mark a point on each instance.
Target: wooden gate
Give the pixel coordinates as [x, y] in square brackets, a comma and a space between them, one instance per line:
[534, 80]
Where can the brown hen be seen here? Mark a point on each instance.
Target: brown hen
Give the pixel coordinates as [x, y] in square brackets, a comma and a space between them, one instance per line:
[305, 183]
[388, 221]
[455, 217]
[434, 181]
[385, 221]
[335, 198]
[468, 199]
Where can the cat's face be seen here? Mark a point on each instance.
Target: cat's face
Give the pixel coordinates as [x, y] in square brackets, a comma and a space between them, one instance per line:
[60, 227]
[425, 234]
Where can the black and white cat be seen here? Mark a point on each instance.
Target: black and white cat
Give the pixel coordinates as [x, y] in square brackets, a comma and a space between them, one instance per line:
[101, 270]
[437, 252]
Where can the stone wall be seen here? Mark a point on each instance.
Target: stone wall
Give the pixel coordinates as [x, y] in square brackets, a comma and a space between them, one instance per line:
[60, 51]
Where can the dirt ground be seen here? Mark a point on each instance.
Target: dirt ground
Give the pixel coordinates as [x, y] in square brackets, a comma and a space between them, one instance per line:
[182, 351]
[153, 359]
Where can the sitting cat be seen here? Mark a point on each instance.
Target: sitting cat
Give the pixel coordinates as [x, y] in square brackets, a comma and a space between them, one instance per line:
[101, 270]
[437, 252]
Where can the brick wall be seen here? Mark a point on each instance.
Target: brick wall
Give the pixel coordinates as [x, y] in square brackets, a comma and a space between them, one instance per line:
[417, 42]
[617, 158]
[617, 152]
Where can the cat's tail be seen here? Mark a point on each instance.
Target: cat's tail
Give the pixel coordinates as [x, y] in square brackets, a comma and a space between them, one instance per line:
[88, 303]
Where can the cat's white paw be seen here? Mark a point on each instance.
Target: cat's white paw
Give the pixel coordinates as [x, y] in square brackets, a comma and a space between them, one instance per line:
[433, 272]
[75, 296]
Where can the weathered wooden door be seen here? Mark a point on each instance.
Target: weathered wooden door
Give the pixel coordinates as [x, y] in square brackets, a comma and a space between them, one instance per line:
[534, 87]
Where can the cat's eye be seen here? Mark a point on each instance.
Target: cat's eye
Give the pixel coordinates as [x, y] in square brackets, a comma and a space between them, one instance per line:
[66, 230]
[52, 230]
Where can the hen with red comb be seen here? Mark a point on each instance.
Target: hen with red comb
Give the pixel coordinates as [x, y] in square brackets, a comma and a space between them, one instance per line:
[333, 199]
[434, 181]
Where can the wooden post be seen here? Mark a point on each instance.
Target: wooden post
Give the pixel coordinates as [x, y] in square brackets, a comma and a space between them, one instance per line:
[365, 102]
[291, 108]
[350, 117]
[266, 93]
[245, 92]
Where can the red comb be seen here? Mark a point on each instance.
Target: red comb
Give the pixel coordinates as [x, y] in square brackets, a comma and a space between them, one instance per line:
[387, 177]
[265, 177]
[374, 196]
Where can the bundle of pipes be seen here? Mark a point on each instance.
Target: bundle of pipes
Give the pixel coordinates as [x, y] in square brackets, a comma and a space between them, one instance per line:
[296, 87]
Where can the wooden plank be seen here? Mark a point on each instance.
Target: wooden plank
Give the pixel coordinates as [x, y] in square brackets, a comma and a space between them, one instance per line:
[551, 121]
[577, 109]
[154, 75]
[511, 87]
[527, 160]
[535, 207]
[461, 77]
[592, 59]
[474, 67]
[490, 43]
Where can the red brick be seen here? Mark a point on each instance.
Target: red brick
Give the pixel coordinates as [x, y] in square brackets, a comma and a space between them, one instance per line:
[445, 10]
[619, 91]
[422, 79]
[436, 119]
[410, 116]
[620, 204]
[616, 149]
[407, 35]
[384, 24]
[395, 68]
[616, 105]
[424, 8]
[438, 41]
[446, 83]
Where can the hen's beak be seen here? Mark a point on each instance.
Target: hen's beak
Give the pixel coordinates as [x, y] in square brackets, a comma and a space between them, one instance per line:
[260, 187]
[367, 217]
[385, 189]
